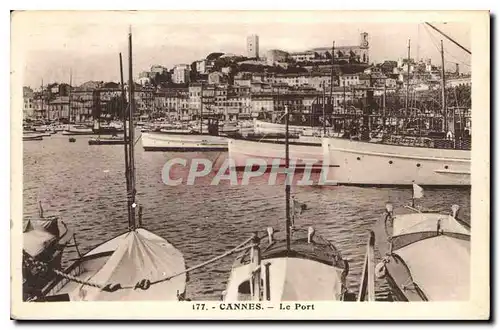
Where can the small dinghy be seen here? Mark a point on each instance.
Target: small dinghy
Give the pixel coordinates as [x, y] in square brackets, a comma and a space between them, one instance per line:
[426, 254]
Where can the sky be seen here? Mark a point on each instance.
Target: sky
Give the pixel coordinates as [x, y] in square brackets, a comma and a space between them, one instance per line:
[50, 45]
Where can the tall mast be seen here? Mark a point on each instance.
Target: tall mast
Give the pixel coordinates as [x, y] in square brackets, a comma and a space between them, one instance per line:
[131, 87]
[42, 98]
[324, 116]
[69, 95]
[201, 108]
[287, 184]
[407, 80]
[383, 104]
[443, 89]
[331, 76]
[125, 144]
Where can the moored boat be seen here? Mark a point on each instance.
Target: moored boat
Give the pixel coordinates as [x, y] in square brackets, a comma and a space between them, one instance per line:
[106, 141]
[365, 163]
[44, 240]
[152, 141]
[298, 266]
[32, 137]
[426, 254]
[264, 127]
[78, 130]
[136, 265]
[242, 151]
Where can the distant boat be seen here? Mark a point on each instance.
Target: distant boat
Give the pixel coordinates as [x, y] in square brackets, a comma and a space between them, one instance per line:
[426, 254]
[107, 141]
[78, 130]
[298, 266]
[32, 136]
[152, 141]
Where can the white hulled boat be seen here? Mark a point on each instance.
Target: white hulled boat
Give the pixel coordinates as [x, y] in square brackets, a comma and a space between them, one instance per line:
[78, 130]
[241, 151]
[264, 127]
[365, 163]
[153, 141]
[426, 254]
[136, 265]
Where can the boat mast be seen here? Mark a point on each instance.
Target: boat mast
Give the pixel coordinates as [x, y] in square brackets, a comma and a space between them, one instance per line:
[42, 98]
[407, 80]
[324, 118]
[287, 184]
[69, 95]
[125, 144]
[131, 193]
[443, 89]
[201, 109]
[383, 104]
[331, 76]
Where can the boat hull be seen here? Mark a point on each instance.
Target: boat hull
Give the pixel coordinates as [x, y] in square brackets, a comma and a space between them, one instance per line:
[33, 138]
[82, 132]
[263, 127]
[106, 142]
[242, 152]
[182, 142]
[428, 258]
[364, 163]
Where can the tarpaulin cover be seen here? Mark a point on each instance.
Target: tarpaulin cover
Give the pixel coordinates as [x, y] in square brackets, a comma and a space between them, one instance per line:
[140, 255]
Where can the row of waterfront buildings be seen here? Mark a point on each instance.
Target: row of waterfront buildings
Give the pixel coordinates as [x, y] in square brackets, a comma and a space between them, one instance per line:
[250, 94]
[244, 94]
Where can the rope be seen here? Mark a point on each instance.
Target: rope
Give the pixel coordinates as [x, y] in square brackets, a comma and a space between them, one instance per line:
[145, 283]
[234, 250]
[77, 280]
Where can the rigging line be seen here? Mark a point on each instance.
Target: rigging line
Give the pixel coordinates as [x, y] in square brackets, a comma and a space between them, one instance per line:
[434, 41]
[432, 38]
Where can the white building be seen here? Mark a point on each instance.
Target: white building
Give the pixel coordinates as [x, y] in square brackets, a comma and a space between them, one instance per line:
[349, 79]
[201, 66]
[181, 74]
[28, 103]
[253, 46]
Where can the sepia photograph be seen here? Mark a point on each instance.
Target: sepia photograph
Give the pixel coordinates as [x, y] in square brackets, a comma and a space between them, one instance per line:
[252, 164]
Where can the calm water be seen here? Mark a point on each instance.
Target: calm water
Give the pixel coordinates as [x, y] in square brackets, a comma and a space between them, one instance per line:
[85, 186]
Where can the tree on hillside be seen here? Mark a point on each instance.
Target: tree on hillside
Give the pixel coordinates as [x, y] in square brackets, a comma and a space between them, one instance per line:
[213, 56]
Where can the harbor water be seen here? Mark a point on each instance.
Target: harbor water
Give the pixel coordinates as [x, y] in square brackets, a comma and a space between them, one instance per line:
[85, 186]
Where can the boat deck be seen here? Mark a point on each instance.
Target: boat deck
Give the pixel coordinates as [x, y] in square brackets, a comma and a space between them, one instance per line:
[319, 249]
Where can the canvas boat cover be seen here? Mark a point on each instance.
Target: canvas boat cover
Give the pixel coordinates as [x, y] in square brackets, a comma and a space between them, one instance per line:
[291, 279]
[39, 235]
[36, 241]
[139, 255]
[439, 265]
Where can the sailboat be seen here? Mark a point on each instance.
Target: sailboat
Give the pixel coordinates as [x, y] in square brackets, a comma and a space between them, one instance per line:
[135, 265]
[296, 265]
[426, 254]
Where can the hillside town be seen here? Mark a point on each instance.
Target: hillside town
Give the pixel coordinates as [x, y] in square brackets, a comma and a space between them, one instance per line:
[237, 87]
